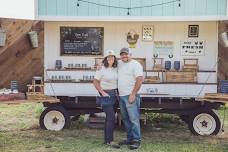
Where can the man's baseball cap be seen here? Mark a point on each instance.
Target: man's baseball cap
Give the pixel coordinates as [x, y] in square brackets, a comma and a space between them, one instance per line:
[125, 50]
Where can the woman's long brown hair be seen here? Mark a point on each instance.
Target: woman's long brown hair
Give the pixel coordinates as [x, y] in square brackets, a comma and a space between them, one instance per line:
[105, 62]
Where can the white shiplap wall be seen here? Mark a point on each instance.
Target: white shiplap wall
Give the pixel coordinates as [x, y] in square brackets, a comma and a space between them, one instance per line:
[115, 38]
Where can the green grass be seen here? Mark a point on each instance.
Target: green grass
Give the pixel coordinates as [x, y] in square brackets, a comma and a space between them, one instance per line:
[20, 132]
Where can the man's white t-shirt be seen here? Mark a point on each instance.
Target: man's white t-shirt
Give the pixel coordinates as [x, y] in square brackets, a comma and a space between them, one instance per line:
[107, 77]
[127, 74]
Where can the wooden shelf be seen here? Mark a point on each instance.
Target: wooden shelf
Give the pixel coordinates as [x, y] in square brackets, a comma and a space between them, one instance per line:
[143, 70]
[68, 81]
[176, 71]
[143, 82]
[73, 69]
[181, 83]
[205, 71]
[154, 71]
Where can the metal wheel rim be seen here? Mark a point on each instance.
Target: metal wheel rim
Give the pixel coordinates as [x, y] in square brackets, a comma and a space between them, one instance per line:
[204, 124]
[54, 120]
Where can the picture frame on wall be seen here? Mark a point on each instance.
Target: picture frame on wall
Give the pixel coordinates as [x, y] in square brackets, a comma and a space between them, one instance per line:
[193, 30]
[148, 33]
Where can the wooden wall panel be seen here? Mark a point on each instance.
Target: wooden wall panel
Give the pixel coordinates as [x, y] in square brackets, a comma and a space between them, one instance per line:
[18, 60]
[223, 55]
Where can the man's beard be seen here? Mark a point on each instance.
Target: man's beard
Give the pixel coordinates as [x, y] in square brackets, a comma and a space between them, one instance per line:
[126, 60]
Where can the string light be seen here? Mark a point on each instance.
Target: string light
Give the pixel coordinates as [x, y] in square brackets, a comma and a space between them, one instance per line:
[128, 8]
[179, 3]
[128, 11]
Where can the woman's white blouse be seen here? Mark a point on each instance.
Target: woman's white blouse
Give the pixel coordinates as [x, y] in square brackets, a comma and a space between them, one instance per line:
[107, 77]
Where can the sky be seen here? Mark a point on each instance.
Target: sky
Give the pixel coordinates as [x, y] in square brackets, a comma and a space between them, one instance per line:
[19, 9]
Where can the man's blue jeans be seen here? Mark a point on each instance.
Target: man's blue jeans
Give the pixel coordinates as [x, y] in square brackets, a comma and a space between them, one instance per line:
[130, 115]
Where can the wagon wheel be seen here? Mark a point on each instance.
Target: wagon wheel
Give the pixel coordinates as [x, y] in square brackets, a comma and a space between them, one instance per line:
[54, 118]
[204, 123]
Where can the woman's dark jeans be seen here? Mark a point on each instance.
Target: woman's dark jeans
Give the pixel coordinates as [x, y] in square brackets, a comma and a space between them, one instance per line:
[109, 123]
[109, 110]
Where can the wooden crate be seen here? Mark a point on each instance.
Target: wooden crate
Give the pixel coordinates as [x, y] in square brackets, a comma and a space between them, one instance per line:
[218, 96]
[157, 62]
[38, 96]
[142, 61]
[190, 68]
[181, 76]
[190, 65]
[152, 79]
[98, 62]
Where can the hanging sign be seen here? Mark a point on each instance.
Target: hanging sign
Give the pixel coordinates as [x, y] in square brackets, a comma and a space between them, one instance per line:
[163, 47]
[193, 47]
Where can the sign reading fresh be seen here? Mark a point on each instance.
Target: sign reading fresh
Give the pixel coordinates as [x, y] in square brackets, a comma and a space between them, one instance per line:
[193, 47]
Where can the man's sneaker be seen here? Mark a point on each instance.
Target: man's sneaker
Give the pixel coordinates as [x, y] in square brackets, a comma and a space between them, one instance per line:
[113, 145]
[125, 142]
[134, 145]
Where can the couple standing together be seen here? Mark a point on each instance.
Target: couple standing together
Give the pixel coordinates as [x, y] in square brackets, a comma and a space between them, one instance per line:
[120, 80]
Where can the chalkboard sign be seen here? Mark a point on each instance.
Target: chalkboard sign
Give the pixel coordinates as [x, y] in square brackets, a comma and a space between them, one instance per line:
[81, 40]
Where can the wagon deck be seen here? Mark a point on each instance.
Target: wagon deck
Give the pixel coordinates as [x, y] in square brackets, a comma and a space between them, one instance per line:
[215, 97]
[29, 101]
[31, 97]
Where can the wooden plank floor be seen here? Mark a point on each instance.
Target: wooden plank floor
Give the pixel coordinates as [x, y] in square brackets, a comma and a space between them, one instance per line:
[215, 97]
[30, 101]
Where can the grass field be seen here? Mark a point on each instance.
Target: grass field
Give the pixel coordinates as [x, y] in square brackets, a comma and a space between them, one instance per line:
[20, 132]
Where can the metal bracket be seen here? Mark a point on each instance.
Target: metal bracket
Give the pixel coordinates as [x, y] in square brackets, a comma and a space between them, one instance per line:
[181, 101]
[76, 99]
[159, 100]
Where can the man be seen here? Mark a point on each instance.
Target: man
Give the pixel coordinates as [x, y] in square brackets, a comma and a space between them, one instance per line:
[130, 77]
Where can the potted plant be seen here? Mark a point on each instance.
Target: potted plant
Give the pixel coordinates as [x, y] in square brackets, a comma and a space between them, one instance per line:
[33, 36]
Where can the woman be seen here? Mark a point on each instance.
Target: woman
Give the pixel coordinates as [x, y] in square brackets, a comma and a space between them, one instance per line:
[105, 81]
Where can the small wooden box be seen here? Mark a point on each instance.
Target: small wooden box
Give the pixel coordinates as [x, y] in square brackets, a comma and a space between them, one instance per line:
[190, 65]
[142, 61]
[152, 79]
[37, 96]
[98, 61]
[181, 76]
[157, 63]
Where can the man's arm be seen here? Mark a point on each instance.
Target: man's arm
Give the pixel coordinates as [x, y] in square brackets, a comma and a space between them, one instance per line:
[136, 88]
